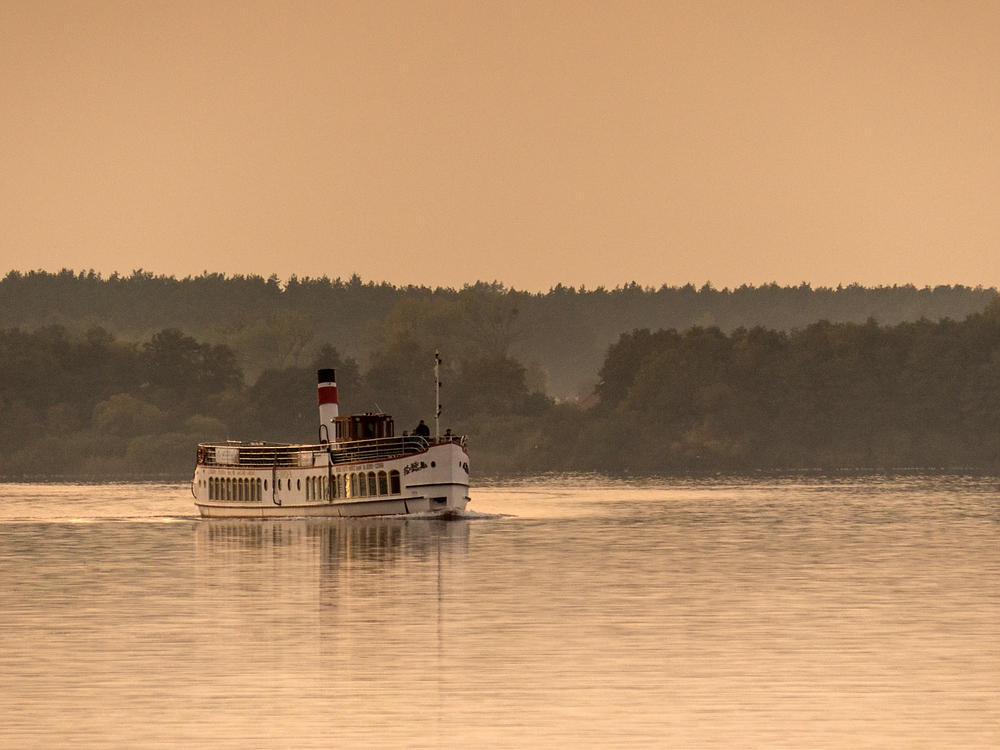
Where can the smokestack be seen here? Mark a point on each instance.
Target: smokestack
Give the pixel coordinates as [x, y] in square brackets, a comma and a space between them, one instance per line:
[328, 405]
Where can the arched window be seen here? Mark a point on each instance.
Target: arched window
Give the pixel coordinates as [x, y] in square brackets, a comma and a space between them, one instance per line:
[383, 483]
[362, 485]
[394, 487]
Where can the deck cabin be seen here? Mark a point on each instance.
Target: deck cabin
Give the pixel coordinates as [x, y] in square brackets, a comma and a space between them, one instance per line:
[363, 427]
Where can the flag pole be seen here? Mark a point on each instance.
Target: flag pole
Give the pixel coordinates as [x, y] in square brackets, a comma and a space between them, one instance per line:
[437, 395]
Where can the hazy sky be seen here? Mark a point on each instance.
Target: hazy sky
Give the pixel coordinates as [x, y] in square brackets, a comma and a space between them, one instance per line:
[531, 143]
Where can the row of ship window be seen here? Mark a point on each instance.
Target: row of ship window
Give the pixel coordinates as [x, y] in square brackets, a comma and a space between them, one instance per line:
[361, 484]
[235, 489]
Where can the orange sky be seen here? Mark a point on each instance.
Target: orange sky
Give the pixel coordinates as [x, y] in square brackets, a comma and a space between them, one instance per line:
[528, 142]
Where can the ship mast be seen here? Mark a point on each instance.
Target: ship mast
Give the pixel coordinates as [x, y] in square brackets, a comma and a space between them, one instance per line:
[437, 395]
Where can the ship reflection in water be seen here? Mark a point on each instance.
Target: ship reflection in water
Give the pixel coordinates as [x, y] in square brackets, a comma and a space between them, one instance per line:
[330, 576]
[343, 622]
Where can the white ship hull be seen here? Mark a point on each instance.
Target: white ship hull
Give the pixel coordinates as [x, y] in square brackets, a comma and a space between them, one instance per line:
[433, 479]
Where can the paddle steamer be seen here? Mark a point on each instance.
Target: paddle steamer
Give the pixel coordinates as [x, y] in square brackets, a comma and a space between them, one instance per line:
[358, 468]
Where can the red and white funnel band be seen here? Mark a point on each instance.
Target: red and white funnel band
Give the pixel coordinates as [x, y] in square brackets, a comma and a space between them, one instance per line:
[327, 393]
[327, 388]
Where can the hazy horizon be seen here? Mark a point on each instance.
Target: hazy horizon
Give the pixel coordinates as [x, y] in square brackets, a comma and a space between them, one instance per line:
[532, 144]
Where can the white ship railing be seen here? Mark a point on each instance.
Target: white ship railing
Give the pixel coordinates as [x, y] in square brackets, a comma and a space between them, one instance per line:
[288, 455]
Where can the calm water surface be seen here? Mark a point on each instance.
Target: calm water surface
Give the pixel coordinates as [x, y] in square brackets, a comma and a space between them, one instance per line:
[568, 613]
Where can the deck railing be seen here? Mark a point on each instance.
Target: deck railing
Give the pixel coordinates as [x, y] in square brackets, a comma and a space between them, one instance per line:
[282, 455]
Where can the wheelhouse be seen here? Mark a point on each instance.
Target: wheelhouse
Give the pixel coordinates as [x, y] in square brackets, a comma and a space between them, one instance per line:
[363, 427]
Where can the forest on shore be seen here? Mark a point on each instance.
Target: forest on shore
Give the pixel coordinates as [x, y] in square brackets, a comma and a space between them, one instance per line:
[561, 336]
[88, 392]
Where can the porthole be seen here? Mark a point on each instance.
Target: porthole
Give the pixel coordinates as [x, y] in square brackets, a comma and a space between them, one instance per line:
[433, 464]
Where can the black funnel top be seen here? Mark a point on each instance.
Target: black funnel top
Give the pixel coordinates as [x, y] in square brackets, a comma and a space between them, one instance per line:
[327, 375]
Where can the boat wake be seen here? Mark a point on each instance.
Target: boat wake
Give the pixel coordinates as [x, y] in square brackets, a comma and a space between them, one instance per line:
[456, 515]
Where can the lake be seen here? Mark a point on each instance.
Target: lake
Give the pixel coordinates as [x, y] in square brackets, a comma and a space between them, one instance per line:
[565, 612]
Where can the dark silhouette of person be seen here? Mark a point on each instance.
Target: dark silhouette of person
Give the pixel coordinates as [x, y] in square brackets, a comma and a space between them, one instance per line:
[422, 430]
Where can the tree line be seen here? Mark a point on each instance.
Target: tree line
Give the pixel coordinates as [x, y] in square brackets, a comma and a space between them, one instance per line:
[561, 335]
[94, 406]
[920, 395]
[864, 396]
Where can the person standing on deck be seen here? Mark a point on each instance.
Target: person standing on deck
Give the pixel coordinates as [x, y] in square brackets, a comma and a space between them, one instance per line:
[422, 430]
